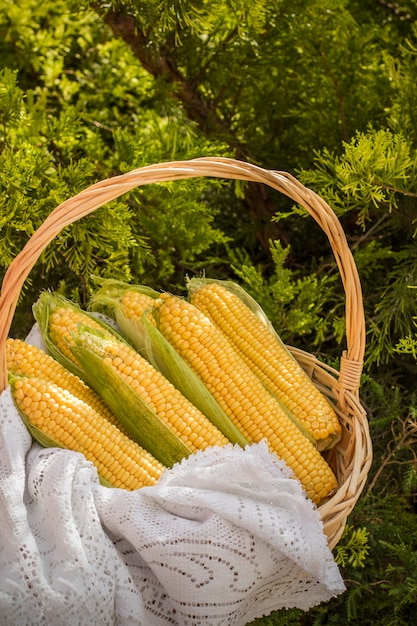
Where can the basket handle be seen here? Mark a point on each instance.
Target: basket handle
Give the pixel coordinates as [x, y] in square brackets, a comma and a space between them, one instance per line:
[106, 190]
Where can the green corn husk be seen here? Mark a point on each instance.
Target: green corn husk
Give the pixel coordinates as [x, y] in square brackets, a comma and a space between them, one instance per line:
[138, 419]
[158, 351]
[110, 290]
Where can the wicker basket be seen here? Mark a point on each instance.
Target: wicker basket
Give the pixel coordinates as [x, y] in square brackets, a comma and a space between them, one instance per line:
[351, 458]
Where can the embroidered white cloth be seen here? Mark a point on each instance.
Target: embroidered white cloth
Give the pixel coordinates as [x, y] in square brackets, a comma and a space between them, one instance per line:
[223, 538]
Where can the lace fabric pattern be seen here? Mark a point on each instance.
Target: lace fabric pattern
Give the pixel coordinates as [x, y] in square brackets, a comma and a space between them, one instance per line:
[224, 537]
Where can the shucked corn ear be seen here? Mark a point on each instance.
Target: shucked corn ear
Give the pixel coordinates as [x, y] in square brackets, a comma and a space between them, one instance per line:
[240, 392]
[24, 359]
[266, 355]
[174, 411]
[56, 417]
[130, 306]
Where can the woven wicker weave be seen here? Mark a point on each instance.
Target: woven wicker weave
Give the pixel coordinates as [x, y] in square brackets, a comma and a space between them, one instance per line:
[351, 458]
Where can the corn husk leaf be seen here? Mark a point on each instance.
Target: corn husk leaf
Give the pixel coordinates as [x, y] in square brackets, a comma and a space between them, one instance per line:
[293, 418]
[134, 331]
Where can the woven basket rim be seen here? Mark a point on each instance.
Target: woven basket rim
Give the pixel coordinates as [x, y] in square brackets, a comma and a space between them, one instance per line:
[352, 457]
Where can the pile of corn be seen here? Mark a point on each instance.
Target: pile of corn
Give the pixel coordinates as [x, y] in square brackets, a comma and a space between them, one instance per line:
[177, 376]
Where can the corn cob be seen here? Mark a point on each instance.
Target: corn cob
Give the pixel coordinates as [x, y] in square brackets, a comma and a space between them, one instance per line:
[240, 392]
[26, 360]
[267, 356]
[128, 305]
[175, 411]
[68, 422]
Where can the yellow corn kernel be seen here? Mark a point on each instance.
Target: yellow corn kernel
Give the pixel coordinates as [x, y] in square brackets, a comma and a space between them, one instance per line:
[241, 394]
[118, 459]
[26, 360]
[270, 361]
[133, 304]
[182, 417]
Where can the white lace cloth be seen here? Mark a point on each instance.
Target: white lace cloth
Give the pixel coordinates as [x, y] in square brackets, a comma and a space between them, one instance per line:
[224, 537]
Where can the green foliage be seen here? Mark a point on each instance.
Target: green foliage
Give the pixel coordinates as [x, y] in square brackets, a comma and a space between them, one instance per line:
[291, 617]
[375, 170]
[408, 344]
[225, 63]
[32, 183]
[373, 186]
[70, 114]
[187, 230]
[353, 547]
[389, 597]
